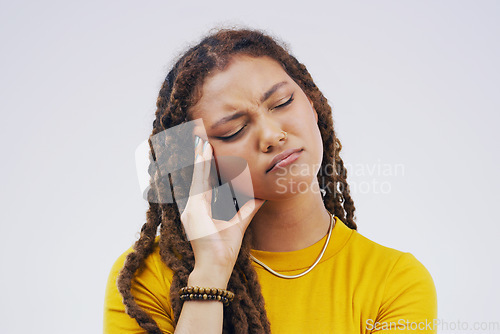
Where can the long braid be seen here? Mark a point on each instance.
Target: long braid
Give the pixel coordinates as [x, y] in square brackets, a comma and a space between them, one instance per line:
[176, 252]
[252, 299]
[252, 282]
[179, 92]
[134, 260]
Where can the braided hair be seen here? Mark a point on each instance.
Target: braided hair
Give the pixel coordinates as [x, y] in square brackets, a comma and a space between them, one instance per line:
[180, 91]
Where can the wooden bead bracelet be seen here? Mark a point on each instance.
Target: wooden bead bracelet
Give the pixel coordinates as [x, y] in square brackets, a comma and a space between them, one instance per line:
[197, 293]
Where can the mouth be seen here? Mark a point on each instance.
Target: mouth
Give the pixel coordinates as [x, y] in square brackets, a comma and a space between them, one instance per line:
[284, 159]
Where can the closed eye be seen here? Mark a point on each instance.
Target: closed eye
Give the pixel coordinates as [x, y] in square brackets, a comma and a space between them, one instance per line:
[233, 135]
[290, 100]
[228, 138]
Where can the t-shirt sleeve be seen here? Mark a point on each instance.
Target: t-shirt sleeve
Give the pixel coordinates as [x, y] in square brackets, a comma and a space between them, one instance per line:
[409, 302]
[151, 293]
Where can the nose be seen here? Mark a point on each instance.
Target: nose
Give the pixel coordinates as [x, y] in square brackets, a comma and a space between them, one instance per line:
[271, 134]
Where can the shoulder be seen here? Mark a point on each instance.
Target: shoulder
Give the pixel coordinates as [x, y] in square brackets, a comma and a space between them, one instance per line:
[150, 288]
[403, 285]
[383, 259]
[152, 270]
[358, 252]
[373, 250]
[389, 269]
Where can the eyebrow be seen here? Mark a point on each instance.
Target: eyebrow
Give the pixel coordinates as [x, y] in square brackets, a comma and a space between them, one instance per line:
[238, 114]
[272, 90]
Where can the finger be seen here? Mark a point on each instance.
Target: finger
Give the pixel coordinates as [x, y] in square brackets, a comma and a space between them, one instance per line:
[201, 167]
[197, 219]
[206, 153]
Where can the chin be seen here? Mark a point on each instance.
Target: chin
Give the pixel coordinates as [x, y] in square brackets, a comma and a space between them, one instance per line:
[289, 186]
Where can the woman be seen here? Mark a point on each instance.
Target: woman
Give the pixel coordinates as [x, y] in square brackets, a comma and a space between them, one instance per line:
[291, 255]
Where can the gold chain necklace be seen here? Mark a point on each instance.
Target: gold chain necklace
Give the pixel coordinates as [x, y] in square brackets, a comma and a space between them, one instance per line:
[311, 267]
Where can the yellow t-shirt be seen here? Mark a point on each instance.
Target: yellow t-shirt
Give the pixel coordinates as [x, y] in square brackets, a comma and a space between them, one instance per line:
[358, 286]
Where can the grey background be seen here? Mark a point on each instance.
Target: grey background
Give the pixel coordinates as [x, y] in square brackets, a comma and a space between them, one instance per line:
[413, 84]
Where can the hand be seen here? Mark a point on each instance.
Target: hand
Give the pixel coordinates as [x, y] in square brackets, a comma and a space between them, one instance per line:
[215, 245]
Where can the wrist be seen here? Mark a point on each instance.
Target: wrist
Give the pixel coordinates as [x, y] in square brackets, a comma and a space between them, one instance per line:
[208, 279]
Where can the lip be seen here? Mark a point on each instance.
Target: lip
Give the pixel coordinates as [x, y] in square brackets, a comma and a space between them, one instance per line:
[286, 157]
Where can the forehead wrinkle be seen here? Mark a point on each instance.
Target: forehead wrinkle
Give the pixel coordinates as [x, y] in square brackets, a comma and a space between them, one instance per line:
[240, 109]
[220, 92]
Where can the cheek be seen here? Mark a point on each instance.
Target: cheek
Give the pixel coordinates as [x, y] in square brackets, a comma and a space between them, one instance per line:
[303, 121]
[235, 172]
[307, 128]
[316, 139]
[319, 148]
[234, 169]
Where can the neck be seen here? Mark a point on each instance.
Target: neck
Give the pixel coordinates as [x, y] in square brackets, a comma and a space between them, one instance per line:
[290, 224]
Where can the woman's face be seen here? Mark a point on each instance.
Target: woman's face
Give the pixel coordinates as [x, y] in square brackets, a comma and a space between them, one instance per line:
[245, 110]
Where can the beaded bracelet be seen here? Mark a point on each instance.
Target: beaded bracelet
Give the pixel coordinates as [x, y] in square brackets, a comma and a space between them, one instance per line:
[197, 293]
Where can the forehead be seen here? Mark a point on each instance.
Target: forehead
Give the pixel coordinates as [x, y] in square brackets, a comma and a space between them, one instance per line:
[244, 79]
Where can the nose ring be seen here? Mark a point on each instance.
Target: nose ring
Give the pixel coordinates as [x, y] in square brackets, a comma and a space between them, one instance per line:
[284, 134]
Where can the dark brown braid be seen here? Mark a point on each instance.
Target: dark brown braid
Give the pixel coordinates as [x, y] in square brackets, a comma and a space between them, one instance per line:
[180, 91]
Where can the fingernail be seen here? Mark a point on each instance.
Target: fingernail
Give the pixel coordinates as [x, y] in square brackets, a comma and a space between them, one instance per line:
[196, 140]
[204, 146]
